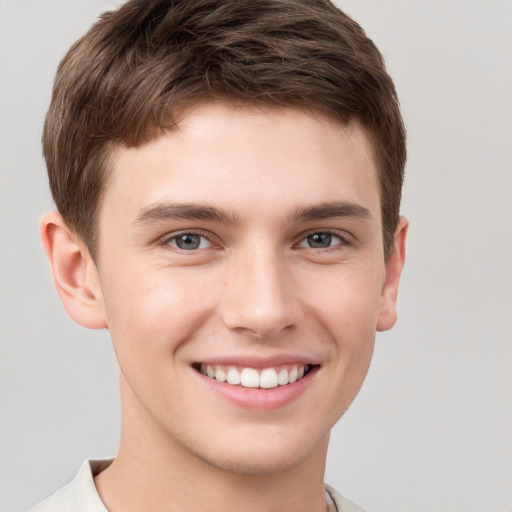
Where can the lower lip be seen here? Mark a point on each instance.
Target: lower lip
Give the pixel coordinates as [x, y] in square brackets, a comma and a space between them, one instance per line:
[259, 398]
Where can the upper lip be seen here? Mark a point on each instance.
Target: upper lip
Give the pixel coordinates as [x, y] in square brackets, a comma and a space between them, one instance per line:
[258, 362]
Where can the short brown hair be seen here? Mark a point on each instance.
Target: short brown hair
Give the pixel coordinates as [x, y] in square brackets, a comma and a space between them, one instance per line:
[137, 67]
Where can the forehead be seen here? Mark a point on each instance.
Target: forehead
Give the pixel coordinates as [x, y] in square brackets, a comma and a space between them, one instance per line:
[247, 159]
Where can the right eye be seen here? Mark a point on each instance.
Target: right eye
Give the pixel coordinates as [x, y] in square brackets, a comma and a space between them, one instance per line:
[189, 242]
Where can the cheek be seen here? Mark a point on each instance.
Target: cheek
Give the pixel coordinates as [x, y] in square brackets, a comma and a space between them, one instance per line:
[350, 317]
[156, 311]
[346, 306]
[347, 298]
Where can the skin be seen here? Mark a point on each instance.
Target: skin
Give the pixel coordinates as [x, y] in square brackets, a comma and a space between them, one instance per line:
[255, 289]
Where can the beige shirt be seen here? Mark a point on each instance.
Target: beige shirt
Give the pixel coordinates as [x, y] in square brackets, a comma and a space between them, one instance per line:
[80, 495]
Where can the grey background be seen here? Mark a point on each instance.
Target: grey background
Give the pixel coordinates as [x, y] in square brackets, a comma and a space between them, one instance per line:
[431, 429]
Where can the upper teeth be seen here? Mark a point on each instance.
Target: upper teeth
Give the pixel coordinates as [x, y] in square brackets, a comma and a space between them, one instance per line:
[252, 378]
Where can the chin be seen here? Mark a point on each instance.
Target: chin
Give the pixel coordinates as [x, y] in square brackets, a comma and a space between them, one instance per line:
[265, 457]
[255, 465]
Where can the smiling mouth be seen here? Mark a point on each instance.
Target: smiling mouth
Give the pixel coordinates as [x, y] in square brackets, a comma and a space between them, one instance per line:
[265, 378]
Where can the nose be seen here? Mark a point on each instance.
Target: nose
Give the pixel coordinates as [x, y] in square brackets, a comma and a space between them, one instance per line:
[260, 299]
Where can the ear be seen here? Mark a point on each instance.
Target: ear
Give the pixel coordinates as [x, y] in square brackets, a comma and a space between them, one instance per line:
[394, 266]
[74, 272]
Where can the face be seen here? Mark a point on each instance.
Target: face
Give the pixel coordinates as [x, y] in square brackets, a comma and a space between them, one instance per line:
[242, 279]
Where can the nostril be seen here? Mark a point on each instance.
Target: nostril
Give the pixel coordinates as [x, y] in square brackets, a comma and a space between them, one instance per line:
[264, 332]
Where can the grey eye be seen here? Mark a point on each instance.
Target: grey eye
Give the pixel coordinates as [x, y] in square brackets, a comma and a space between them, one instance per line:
[189, 241]
[319, 240]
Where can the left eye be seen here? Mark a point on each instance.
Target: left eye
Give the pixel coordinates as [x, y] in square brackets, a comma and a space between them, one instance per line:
[189, 241]
[321, 240]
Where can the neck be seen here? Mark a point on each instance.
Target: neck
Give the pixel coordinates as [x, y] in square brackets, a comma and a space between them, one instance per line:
[161, 474]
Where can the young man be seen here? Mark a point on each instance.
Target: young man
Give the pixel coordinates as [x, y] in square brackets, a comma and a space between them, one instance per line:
[228, 177]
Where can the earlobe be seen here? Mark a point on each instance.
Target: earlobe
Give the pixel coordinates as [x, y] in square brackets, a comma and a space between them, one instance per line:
[74, 272]
[394, 266]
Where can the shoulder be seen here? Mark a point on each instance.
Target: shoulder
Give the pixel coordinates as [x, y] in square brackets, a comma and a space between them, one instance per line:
[342, 504]
[63, 500]
[79, 495]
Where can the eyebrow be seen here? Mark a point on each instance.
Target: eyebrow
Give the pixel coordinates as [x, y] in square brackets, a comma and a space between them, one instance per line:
[187, 211]
[192, 211]
[330, 210]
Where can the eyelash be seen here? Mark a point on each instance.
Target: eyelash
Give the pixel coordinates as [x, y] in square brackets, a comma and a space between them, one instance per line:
[343, 242]
[166, 241]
